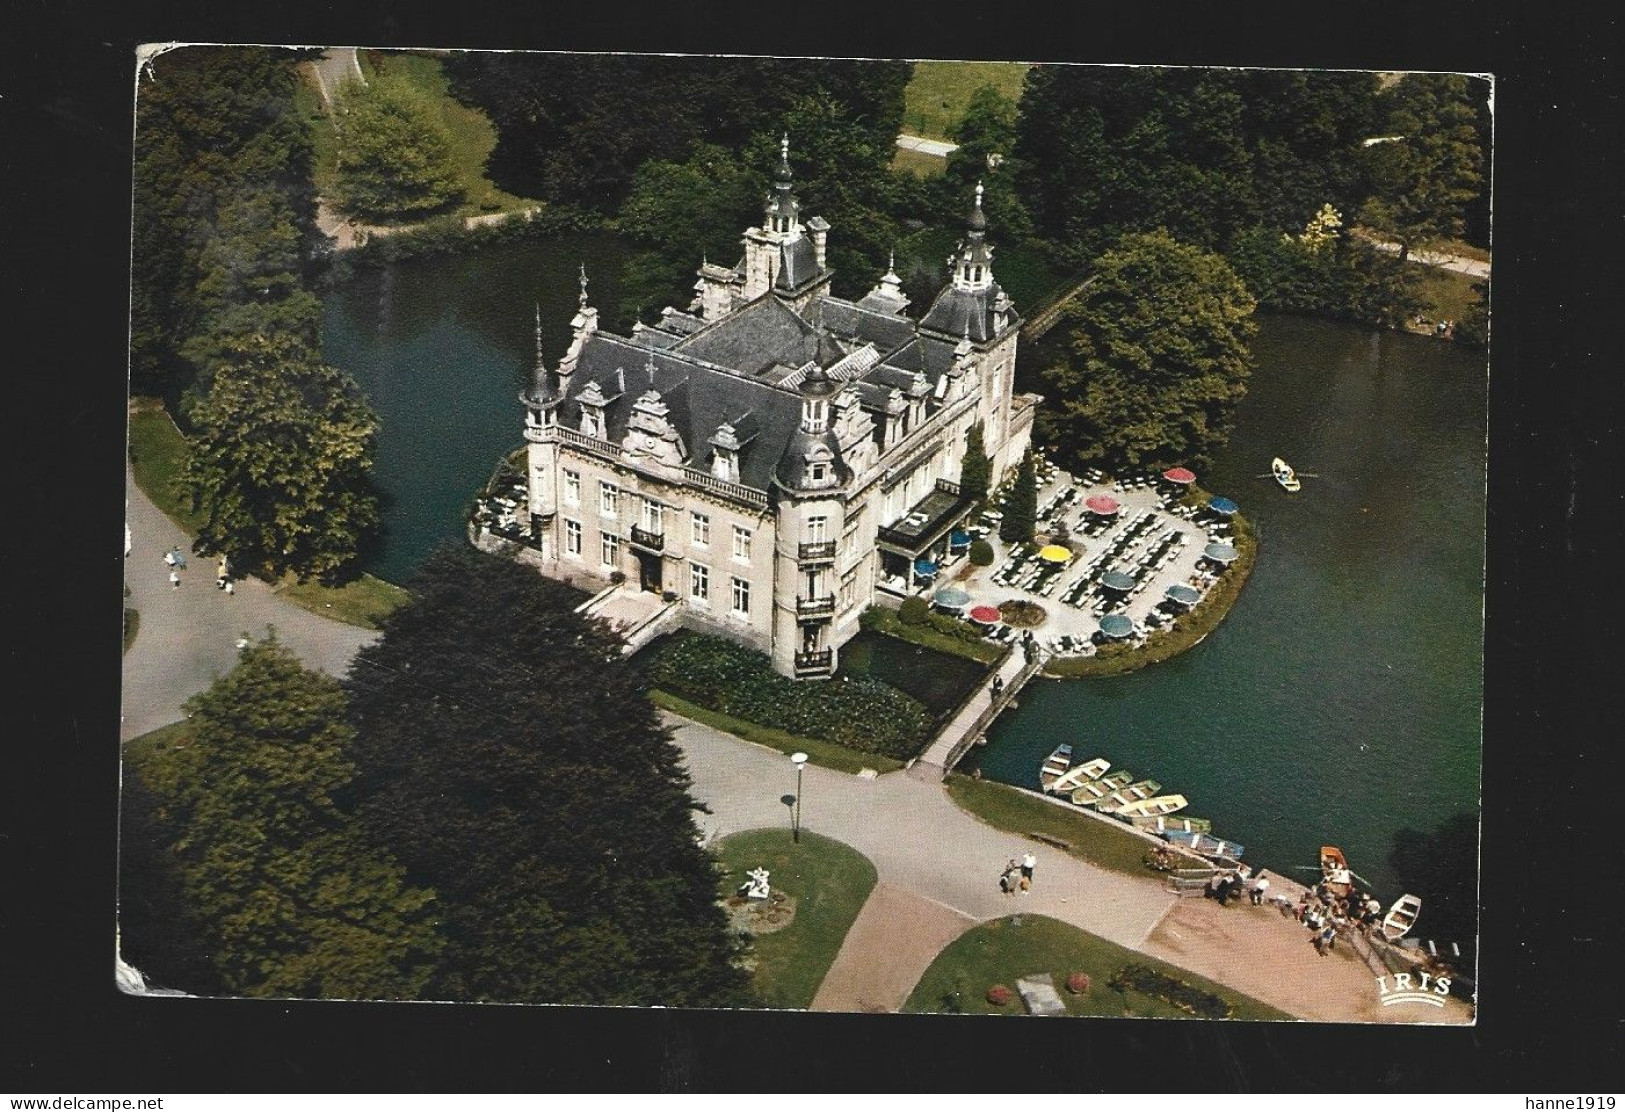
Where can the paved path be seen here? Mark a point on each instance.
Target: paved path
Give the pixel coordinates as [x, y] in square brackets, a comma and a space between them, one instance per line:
[334, 68]
[1461, 264]
[918, 839]
[188, 635]
[934, 147]
[936, 759]
[890, 946]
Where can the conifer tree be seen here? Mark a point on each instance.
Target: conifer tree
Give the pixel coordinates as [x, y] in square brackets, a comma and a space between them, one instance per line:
[976, 470]
[1021, 509]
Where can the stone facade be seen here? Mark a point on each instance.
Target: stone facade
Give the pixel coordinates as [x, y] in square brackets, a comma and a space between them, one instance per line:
[773, 457]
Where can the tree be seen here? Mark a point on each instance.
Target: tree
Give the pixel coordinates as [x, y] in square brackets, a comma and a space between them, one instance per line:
[291, 899]
[986, 136]
[509, 756]
[1021, 508]
[1158, 357]
[281, 460]
[976, 471]
[1423, 180]
[394, 158]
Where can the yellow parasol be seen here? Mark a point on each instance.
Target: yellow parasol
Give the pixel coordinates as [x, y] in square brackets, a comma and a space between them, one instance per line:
[1055, 554]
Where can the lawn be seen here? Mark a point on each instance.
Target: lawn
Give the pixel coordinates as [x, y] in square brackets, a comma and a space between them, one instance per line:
[470, 130]
[918, 163]
[826, 754]
[158, 455]
[1446, 295]
[939, 92]
[883, 619]
[940, 680]
[829, 882]
[1005, 950]
[1096, 840]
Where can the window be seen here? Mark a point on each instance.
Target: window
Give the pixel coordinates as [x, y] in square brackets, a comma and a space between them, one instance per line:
[849, 542]
[609, 499]
[699, 582]
[816, 527]
[849, 590]
[741, 543]
[654, 517]
[701, 524]
[611, 554]
[572, 538]
[819, 470]
[572, 488]
[741, 598]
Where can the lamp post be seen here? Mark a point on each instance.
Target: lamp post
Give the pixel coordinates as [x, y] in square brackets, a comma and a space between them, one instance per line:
[800, 761]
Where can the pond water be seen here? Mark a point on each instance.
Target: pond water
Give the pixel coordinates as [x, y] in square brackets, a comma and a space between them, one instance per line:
[1339, 702]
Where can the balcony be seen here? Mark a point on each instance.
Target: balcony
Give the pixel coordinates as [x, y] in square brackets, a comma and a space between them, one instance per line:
[814, 662]
[922, 526]
[644, 538]
[818, 552]
[814, 608]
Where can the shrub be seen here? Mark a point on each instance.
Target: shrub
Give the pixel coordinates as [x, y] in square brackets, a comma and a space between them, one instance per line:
[914, 611]
[981, 553]
[1078, 984]
[861, 713]
[999, 996]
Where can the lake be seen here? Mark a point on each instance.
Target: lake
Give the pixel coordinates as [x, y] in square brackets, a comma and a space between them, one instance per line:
[1339, 702]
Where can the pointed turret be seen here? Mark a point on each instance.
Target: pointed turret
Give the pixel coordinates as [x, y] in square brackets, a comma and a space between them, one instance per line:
[972, 305]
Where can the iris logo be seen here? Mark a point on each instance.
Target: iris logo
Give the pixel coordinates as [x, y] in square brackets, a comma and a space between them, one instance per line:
[1402, 991]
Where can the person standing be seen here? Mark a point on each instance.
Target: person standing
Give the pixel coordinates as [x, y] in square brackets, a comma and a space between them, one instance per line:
[174, 580]
[1028, 863]
[230, 587]
[1260, 886]
[998, 686]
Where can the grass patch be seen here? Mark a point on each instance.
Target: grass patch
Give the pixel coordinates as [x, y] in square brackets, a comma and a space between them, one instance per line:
[828, 880]
[1095, 840]
[1165, 644]
[941, 681]
[324, 137]
[1445, 294]
[939, 92]
[826, 754]
[1005, 950]
[918, 163]
[158, 456]
[884, 620]
[470, 130]
[364, 601]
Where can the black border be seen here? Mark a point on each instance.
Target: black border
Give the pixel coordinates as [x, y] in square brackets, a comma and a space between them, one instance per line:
[1548, 1020]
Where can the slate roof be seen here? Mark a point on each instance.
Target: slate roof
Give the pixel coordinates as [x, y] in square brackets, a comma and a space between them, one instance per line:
[955, 310]
[798, 264]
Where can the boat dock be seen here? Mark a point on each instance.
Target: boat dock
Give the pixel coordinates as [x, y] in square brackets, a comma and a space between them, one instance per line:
[976, 714]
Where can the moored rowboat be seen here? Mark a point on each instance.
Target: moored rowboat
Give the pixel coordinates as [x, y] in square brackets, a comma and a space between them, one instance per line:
[1205, 844]
[1096, 790]
[1156, 805]
[1401, 917]
[1134, 793]
[1078, 774]
[1059, 760]
[1158, 824]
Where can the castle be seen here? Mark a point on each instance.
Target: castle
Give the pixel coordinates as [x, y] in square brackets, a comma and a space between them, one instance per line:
[769, 462]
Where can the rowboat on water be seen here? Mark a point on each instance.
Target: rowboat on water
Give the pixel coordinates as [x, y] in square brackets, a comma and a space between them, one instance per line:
[1079, 774]
[1401, 917]
[1284, 475]
[1093, 792]
[1158, 824]
[1134, 793]
[1056, 763]
[1156, 805]
[1334, 871]
[1205, 844]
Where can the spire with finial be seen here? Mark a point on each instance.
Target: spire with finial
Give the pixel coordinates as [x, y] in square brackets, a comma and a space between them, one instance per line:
[649, 367]
[978, 222]
[782, 206]
[541, 364]
[583, 285]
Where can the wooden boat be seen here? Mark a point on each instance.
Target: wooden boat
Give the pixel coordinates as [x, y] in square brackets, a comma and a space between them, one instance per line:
[1096, 790]
[1334, 871]
[1205, 844]
[1156, 805]
[1401, 917]
[1078, 774]
[1134, 793]
[1158, 824]
[1284, 475]
[1056, 763]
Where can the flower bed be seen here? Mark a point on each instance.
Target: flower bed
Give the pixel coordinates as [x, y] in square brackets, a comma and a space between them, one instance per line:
[1186, 997]
[859, 713]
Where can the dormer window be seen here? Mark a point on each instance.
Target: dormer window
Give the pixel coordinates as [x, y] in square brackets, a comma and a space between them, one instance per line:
[819, 471]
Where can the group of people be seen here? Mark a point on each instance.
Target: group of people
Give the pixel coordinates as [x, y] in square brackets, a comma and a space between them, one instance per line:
[1327, 913]
[175, 559]
[1018, 875]
[1236, 884]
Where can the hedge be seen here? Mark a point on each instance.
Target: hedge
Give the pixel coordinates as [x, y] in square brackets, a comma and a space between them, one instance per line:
[1186, 997]
[859, 713]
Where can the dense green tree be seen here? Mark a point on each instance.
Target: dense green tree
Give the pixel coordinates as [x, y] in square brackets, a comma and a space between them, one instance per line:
[976, 470]
[510, 758]
[986, 136]
[1345, 278]
[291, 899]
[281, 459]
[1158, 357]
[217, 136]
[394, 158]
[1423, 181]
[1473, 329]
[1021, 508]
